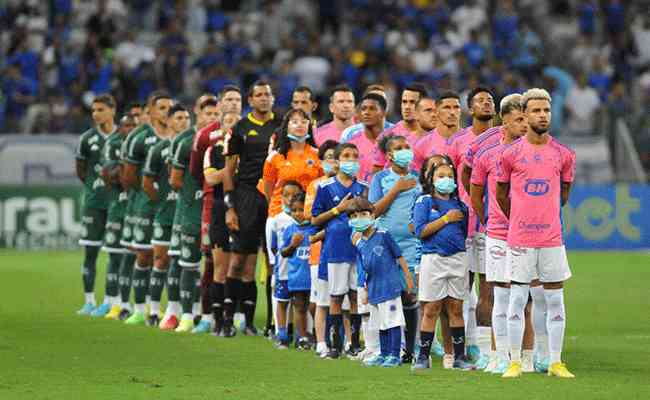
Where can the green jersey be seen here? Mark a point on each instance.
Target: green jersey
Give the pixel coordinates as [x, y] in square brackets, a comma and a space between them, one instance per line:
[117, 198]
[178, 215]
[137, 155]
[191, 194]
[124, 151]
[89, 150]
[157, 167]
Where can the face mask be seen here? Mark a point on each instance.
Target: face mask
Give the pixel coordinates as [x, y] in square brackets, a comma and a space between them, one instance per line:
[349, 168]
[299, 139]
[327, 168]
[402, 158]
[445, 185]
[286, 209]
[361, 224]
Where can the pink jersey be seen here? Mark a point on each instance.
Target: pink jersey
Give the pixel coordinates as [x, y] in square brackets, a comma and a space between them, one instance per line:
[484, 173]
[399, 129]
[426, 146]
[327, 132]
[535, 174]
[485, 139]
[458, 146]
[366, 150]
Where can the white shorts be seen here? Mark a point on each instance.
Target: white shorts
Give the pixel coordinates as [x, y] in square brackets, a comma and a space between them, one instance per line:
[386, 315]
[322, 293]
[341, 278]
[549, 264]
[496, 262]
[476, 253]
[362, 293]
[313, 294]
[442, 277]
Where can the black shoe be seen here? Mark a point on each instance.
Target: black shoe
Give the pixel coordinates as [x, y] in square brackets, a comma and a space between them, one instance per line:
[352, 352]
[333, 355]
[303, 344]
[407, 358]
[153, 320]
[229, 331]
[251, 330]
[124, 314]
[217, 332]
[268, 332]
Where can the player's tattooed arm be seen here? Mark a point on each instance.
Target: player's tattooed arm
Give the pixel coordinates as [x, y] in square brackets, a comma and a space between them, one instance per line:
[149, 188]
[503, 197]
[564, 194]
[176, 178]
[465, 178]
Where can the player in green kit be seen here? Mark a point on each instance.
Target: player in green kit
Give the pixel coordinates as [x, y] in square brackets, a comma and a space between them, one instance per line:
[190, 194]
[144, 208]
[204, 116]
[155, 184]
[95, 196]
[117, 201]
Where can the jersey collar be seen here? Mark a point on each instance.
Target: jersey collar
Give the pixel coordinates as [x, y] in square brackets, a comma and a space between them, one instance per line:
[257, 121]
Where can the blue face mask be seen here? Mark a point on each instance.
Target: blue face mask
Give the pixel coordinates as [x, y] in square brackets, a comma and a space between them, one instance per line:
[445, 185]
[349, 168]
[286, 209]
[402, 158]
[327, 168]
[299, 139]
[361, 224]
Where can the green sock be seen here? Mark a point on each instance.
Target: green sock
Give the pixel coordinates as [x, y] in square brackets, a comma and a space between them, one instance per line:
[126, 273]
[189, 275]
[157, 283]
[140, 284]
[112, 273]
[89, 268]
[173, 280]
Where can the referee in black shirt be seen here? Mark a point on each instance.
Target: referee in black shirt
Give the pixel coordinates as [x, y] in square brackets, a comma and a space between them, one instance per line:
[246, 149]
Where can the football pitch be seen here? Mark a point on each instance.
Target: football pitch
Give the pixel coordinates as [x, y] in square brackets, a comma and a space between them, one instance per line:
[48, 352]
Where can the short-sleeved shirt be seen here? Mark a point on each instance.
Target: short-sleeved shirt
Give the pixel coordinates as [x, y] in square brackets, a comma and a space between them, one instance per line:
[89, 150]
[399, 129]
[484, 173]
[157, 167]
[298, 270]
[203, 140]
[178, 213]
[535, 174]
[367, 149]
[378, 256]
[310, 196]
[337, 247]
[300, 167]
[191, 193]
[124, 150]
[275, 227]
[117, 198]
[326, 132]
[485, 139]
[137, 155]
[252, 141]
[426, 146]
[450, 239]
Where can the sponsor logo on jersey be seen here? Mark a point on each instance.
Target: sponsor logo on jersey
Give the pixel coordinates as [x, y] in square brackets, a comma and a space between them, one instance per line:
[533, 227]
[536, 187]
[252, 132]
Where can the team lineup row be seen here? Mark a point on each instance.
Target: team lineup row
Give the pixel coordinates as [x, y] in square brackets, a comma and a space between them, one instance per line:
[368, 229]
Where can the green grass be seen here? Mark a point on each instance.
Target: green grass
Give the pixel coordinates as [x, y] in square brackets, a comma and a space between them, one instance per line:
[48, 352]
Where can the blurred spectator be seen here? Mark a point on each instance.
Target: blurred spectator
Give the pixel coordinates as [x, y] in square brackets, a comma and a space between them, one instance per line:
[312, 70]
[582, 104]
[587, 17]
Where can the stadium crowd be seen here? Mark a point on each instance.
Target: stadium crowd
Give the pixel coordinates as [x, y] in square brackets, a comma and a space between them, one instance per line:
[366, 233]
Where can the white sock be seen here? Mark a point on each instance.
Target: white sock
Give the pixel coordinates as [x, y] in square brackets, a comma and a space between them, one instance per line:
[372, 337]
[539, 321]
[139, 308]
[208, 317]
[89, 298]
[155, 307]
[321, 347]
[172, 308]
[187, 316]
[310, 323]
[469, 315]
[274, 308]
[555, 323]
[435, 333]
[126, 306]
[196, 308]
[114, 300]
[518, 300]
[484, 339]
[500, 320]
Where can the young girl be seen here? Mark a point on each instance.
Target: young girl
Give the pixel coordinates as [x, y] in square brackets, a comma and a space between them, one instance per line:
[380, 258]
[296, 251]
[440, 221]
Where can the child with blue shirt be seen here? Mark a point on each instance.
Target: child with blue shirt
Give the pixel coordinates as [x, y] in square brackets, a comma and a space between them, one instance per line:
[296, 251]
[333, 197]
[440, 221]
[380, 258]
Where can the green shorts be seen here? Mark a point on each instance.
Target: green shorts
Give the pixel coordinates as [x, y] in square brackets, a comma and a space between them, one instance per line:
[162, 234]
[93, 224]
[190, 250]
[142, 233]
[113, 238]
[175, 242]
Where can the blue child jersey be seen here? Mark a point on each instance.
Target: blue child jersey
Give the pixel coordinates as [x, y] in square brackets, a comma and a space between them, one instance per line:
[378, 256]
[298, 263]
[337, 246]
[451, 238]
[396, 218]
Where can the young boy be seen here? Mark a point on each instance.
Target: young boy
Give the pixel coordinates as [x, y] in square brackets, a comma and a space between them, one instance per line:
[380, 259]
[295, 250]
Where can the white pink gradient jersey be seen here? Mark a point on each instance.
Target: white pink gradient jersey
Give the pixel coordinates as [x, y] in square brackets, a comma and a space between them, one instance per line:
[458, 145]
[484, 173]
[485, 139]
[426, 146]
[399, 129]
[366, 150]
[327, 132]
[535, 174]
